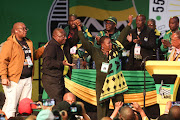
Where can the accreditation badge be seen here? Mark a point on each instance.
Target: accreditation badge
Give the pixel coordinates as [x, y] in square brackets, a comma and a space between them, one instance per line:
[73, 50]
[29, 61]
[137, 49]
[104, 67]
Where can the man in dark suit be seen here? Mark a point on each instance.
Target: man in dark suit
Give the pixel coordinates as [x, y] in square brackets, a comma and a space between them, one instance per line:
[141, 41]
[57, 63]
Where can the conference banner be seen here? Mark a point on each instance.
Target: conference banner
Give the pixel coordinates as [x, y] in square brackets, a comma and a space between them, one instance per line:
[162, 11]
[43, 16]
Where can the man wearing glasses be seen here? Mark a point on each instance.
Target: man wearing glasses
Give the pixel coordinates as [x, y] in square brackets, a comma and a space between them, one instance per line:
[16, 61]
[57, 63]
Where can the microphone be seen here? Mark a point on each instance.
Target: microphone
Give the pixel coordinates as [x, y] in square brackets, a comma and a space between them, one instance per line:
[145, 59]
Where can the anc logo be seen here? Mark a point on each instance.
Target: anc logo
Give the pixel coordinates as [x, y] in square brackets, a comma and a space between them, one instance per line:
[91, 13]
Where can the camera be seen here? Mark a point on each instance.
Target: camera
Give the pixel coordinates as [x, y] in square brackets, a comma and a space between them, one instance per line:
[176, 103]
[35, 105]
[75, 111]
[128, 104]
[48, 102]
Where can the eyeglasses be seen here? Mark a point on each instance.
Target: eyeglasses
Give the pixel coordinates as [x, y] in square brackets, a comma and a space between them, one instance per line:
[24, 29]
[150, 24]
[62, 36]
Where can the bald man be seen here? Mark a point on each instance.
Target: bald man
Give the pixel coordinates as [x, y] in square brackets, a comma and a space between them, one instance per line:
[175, 112]
[69, 97]
[16, 61]
[126, 113]
[57, 63]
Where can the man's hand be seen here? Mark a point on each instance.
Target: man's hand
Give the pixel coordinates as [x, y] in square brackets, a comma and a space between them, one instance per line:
[83, 109]
[129, 38]
[130, 19]
[137, 40]
[46, 44]
[64, 115]
[136, 107]
[98, 39]
[78, 23]
[118, 105]
[85, 116]
[65, 62]
[166, 43]
[6, 82]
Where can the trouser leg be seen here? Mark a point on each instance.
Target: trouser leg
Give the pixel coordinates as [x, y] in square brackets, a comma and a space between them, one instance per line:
[12, 97]
[27, 88]
[54, 87]
[102, 108]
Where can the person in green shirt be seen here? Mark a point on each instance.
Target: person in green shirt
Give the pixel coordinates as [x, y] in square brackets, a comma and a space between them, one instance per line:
[166, 46]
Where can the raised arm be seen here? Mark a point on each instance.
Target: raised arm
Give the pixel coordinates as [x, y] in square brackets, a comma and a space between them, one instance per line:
[125, 31]
[86, 44]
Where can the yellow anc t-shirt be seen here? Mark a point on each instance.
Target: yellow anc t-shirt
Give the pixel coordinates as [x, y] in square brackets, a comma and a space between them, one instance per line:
[66, 67]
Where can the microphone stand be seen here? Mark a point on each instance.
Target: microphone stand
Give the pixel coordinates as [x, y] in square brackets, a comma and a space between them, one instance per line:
[144, 91]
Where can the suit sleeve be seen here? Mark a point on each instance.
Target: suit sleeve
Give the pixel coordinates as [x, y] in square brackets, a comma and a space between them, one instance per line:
[49, 58]
[86, 44]
[38, 53]
[123, 34]
[5, 57]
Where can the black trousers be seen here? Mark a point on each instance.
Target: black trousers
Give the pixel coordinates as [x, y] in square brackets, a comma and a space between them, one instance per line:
[54, 87]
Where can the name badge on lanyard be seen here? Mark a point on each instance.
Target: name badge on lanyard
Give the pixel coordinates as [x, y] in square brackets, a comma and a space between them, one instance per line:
[137, 49]
[73, 50]
[104, 67]
[29, 61]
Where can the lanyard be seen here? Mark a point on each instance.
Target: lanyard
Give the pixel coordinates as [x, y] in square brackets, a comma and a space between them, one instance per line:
[176, 56]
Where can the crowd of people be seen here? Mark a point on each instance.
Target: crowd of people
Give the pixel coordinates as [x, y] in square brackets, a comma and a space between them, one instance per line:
[109, 50]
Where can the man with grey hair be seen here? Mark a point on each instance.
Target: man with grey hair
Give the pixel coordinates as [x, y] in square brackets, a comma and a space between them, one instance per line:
[175, 42]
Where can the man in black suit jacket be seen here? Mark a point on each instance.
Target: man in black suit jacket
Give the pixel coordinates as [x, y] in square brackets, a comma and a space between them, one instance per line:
[57, 63]
[141, 41]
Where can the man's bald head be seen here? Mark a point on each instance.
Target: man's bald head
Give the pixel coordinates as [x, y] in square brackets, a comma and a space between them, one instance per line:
[175, 112]
[127, 113]
[59, 35]
[58, 30]
[69, 97]
[16, 25]
[20, 30]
